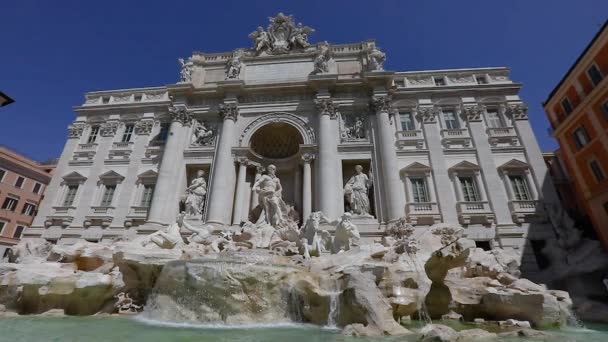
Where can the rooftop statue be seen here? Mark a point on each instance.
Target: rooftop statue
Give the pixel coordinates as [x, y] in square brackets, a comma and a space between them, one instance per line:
[375, 59]
[185, 74]
[281, 36]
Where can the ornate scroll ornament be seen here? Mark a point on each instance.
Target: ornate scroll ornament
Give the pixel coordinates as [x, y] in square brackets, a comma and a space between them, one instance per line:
[108, 129]
[144, 127]
[185, 74]
[180, 114]
[327, 107]
[381, 104]
[473, 113]
[203, 134]
[234, 64]
[518, 111]
[75, 130]
[282, 35]
[229, 111]
[427, 114]
[308, 157]
[375, 59]
[321, 62]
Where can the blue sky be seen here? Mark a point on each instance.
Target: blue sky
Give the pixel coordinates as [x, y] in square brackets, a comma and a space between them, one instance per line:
[53, 52]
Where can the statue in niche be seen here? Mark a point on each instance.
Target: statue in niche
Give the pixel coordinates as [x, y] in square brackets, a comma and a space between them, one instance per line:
[234, 65]
[196, 193]
[321, 62]
[274, 210]
[356, 192]
[185, 74]
[355, 130]
[203, 135]
[261, 39]
[375, 59]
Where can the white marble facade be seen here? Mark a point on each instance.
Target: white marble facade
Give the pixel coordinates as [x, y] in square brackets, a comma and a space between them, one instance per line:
[437, 146]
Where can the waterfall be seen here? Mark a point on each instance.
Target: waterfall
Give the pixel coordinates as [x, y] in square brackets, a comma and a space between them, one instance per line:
[423, 313]
[334, 309]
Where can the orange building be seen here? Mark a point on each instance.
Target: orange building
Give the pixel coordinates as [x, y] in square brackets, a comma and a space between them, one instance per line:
[578, 111]
[22, 185]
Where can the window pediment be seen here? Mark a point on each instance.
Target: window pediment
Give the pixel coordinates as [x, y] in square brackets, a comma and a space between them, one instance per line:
[464, 166]
[514, 164]
[74, 178]
[110, 177]
[415, 168]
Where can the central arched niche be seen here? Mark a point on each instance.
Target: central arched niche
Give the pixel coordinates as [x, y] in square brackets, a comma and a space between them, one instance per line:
[276, 140]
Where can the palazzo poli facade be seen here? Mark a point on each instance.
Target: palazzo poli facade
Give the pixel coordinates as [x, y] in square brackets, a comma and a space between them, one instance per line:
[451, 146]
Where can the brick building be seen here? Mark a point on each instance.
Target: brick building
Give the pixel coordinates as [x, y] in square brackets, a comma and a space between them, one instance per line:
[22, 185]
[578, 111]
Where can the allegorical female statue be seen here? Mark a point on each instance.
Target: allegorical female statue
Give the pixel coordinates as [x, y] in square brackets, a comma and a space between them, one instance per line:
[196, 193]
[356, 192]
[274, 209]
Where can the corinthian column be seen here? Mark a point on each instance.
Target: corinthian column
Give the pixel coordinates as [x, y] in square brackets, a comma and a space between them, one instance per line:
[328, 164]
[240, 191]
[223, 178]
[165, 201]
[307, 186]
[391, 182]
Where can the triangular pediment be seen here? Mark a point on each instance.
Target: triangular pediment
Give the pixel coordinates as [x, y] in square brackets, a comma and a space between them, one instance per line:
[514, 164]
[416, 167]
[148, 174]
[464, 166]
[74, 176]
[111, 175]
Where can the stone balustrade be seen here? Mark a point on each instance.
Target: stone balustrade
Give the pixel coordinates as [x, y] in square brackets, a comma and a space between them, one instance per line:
[502, 135]
[422, 213]
[475, 212]
[413, 138]
[456, 138]
[521, 209]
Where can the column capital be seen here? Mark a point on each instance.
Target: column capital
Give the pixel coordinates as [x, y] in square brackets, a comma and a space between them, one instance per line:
[180, 114]
[517, 111]
[381, 103]
[326, 106]
[75, 130]
[472, 113]
[108, 128]
[229, 111]
[427, 114]
[308, 157]
[243, 161]
[144, 127]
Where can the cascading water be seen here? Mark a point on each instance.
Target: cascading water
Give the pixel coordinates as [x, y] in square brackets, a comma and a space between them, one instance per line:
[334, 309]
[423, 313]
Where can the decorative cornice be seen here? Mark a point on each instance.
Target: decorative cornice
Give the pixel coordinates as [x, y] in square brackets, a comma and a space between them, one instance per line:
[108, 129]
[180, 114]
[473, 113]
[381, 104]
[229, 111]
[518, 111]
[75, 130]
[327, 107]
[144, 127]
[427, 114]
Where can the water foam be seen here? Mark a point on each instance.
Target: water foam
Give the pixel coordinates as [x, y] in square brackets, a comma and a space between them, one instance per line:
[190, 325]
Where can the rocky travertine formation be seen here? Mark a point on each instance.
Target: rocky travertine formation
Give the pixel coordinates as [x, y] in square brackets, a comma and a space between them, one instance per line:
[262, 274]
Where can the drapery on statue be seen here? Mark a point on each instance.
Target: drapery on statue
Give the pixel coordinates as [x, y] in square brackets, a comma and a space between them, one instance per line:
[203, 135]
[356, 192]
[375, 59]
[274, 209]
[261, 39]
[196, 193]
[233, 66]
[185, 73]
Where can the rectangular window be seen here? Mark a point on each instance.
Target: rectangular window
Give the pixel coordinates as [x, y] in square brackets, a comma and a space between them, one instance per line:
[19, 182]
[581, 138]
[604, 110]
[108, 194]
[10, 203]
[520, 188]
[2, 173]
[469, 189]
[126, 135]
[164, 131]
[407, 122]
[450, 119]
[37, 187]
[93, 134]
[481, 79]
[29, 209]
[419, 190]
[146, 197]
[606, 207]
[439, 81]
[566, 105]
[70, 195]
[2, 224]
[493, 118]
[597, 171]
[18, 232]
[595, 75]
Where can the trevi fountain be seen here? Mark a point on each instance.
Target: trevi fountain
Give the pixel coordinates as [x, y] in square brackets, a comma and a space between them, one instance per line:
[315, 244]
